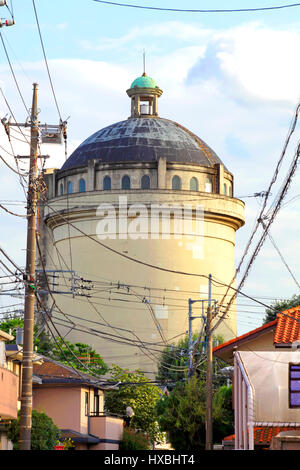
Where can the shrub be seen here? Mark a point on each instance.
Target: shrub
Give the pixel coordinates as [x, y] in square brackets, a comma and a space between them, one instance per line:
[132, 440]
[44, 433]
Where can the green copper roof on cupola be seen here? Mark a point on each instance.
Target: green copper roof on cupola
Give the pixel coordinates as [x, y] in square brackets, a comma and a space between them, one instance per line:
[144, 82]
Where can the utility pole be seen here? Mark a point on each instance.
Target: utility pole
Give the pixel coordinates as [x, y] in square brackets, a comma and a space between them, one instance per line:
[190, 347]
[209, 371]
[51, 134]
[209, 360]
[26, 396]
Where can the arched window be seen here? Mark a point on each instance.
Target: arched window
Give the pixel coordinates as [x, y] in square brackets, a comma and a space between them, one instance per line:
[81, 185]
[230, 190]
[70, 187]
[208, 185]
[125, 182]
[193, 184]
[176, 182]
[107, 183]
[61, 189]
[145, 183]
[225, 189]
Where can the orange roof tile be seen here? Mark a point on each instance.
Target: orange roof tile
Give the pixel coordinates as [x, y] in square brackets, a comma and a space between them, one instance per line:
[288, 326]
[264, 434]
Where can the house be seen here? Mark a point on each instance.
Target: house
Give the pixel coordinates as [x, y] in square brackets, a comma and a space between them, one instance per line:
[9, 390]
[10, 384]
[266, 383]
[75, 402]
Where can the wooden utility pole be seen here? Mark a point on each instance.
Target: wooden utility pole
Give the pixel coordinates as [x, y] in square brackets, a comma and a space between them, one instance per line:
[209, 370]
[26, 395]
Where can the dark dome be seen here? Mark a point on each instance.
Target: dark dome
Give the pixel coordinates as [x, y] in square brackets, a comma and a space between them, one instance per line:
[143, 140]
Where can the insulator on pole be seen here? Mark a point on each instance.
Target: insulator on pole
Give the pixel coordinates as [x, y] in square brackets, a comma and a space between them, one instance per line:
[6, 22]
[2, 3]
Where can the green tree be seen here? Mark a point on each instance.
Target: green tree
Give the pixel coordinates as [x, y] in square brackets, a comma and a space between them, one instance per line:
[182, 415]
[62, 350]
[42, 340]
[279, 306]
[138, 393]
[223, 414]
[44, 433]
[89, 360]
[173, 362]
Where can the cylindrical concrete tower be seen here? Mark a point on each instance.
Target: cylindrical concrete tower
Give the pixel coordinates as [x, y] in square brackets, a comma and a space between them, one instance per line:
[135, 221]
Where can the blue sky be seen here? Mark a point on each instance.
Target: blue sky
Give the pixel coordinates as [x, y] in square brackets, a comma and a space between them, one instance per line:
[233, 79]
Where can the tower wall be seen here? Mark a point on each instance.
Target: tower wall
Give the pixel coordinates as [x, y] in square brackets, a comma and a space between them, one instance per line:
[149, 306]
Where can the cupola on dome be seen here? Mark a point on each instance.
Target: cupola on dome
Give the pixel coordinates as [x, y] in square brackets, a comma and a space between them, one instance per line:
[144, 136]
[144, 82]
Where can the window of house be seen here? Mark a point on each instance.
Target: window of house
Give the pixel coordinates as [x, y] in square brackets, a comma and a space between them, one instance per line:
[294, 386]
[145, 183]
[107, 183]
[193, 184]
[86, 404]
[70, 187]
[61, 189]
[208, 185]
[81, 185]
[125, 182]
[96, 404]
[176, 182]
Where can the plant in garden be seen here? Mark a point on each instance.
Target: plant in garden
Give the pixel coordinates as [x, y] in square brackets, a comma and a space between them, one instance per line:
[135, 391]
[44, 433]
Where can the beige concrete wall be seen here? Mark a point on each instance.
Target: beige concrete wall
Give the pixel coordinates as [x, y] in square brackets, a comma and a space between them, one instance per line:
[64, 405]
[223, 216]
[8, 394]
[106, 427]
[5, 443]
[135, 171]
[263, 342]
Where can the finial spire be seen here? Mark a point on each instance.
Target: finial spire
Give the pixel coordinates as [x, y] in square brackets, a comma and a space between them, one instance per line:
[144, 63]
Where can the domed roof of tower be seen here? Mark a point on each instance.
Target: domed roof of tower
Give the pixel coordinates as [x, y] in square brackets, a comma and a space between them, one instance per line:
[144, 137]
[143, 140]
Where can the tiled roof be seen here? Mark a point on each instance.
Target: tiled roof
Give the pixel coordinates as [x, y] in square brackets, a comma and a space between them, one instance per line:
[288, 326]
[245, 336]
[263, 435]
[143, 140]
[51, 371]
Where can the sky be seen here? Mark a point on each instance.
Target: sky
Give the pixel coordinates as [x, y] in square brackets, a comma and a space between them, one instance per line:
[231, 78]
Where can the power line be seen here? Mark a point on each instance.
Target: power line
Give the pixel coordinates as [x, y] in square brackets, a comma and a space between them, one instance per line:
[13, 74]
[237, 10]
[45, 58]
[277, 203]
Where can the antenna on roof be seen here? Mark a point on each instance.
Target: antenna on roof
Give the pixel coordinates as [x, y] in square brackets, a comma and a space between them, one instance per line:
[144, 63]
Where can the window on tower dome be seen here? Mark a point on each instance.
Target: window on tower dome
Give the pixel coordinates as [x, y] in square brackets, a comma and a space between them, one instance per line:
[225, 189]
[193, 184]
[145, 183]
[70, 187]
[176, 182]
[61, 191]
[125, 182]
[208, 185]
[107, 183]
[81, 185]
